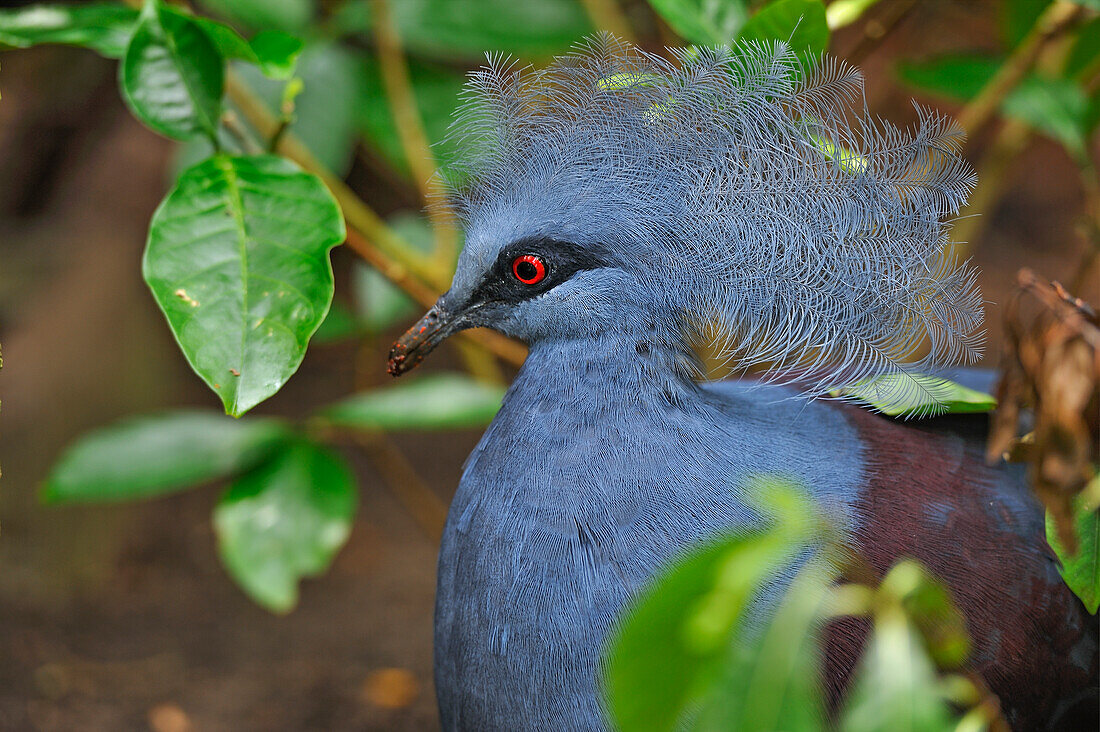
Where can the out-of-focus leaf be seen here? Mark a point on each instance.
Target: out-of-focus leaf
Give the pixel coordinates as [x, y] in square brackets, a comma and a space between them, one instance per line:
[1086, 49]
[917, 396]
[1056, 107]
[1018, 17]
[273, 51]
[291, 16]
[154, 455]
[339, 324]
[434, 402]
[957, 77]
[1090, 4]
[895, 686]
[665, 657]
[799, 22]
[325, 111]
[237, 259]
[172, 74]
[929, 606]
[103, 27]
[1081, 571]
[436, 91]
[706, 22]
[773, 681]
[462, 31]
[285, 520]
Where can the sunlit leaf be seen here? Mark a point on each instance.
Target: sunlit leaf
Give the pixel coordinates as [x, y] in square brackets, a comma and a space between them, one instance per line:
[433, 402]
[799, 22]
[667, 655]
[159, 454]
[900, 395]
[841, 13]
[706, 22]
[172, 74]
[237, 259]
[285, 520]
[103, 27]
[1081, 570]
[895, 686]
[929, 606]
[772, 680]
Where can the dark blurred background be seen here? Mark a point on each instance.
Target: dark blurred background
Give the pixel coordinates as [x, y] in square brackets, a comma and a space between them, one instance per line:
[121, 617]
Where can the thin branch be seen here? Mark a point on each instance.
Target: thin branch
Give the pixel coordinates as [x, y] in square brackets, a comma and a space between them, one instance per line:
[607, 15]
[426, 508]
[234, 127]
[410, 127]
[1055, 20]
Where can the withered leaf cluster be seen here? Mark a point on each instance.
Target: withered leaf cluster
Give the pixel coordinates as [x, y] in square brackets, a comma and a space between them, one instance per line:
[1048, 412]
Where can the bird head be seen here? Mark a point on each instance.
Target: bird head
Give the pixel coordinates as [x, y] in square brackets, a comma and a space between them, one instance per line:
[741, 193]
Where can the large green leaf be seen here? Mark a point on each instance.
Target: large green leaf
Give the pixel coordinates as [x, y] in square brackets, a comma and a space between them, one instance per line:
[896, 687]
[172, 75]
[917, 396]
[237, 259]
[155, 455]
[292, 16]
[1081, 570]
[103, 27]
[666, 656]
[434, 402]
[1059, 108]
[705, 22]
[464, 31]
[799, 22]
[285, 520]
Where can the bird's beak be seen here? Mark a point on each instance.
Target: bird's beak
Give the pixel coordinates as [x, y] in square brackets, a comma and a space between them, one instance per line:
[421, 339]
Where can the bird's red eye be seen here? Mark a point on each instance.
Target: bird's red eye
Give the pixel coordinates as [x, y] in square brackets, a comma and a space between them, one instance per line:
[529, 269]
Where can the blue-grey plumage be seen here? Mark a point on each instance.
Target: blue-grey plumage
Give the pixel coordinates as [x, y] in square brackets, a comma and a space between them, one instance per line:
[618, 207]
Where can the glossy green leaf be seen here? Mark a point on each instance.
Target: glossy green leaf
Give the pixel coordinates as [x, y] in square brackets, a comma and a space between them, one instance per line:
[771, 680]
[285, 520]
[1081, 570]
[326, 111]
[237, 259]
[172, 75]
[463, 31]
[154, 455]
[895, 686]
[666, 657]
[292, 16]
[275, 52]
[433, 402]
[705, 22]
[917, 396]
[103, 27]
[799, 22]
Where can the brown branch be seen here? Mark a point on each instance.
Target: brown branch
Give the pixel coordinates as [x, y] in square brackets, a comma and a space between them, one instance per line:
[1055, 20]
[410, 127]
[426, 508]
[607, 15]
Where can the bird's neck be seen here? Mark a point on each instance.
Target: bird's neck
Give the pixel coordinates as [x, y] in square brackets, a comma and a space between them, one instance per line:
[615, 373]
